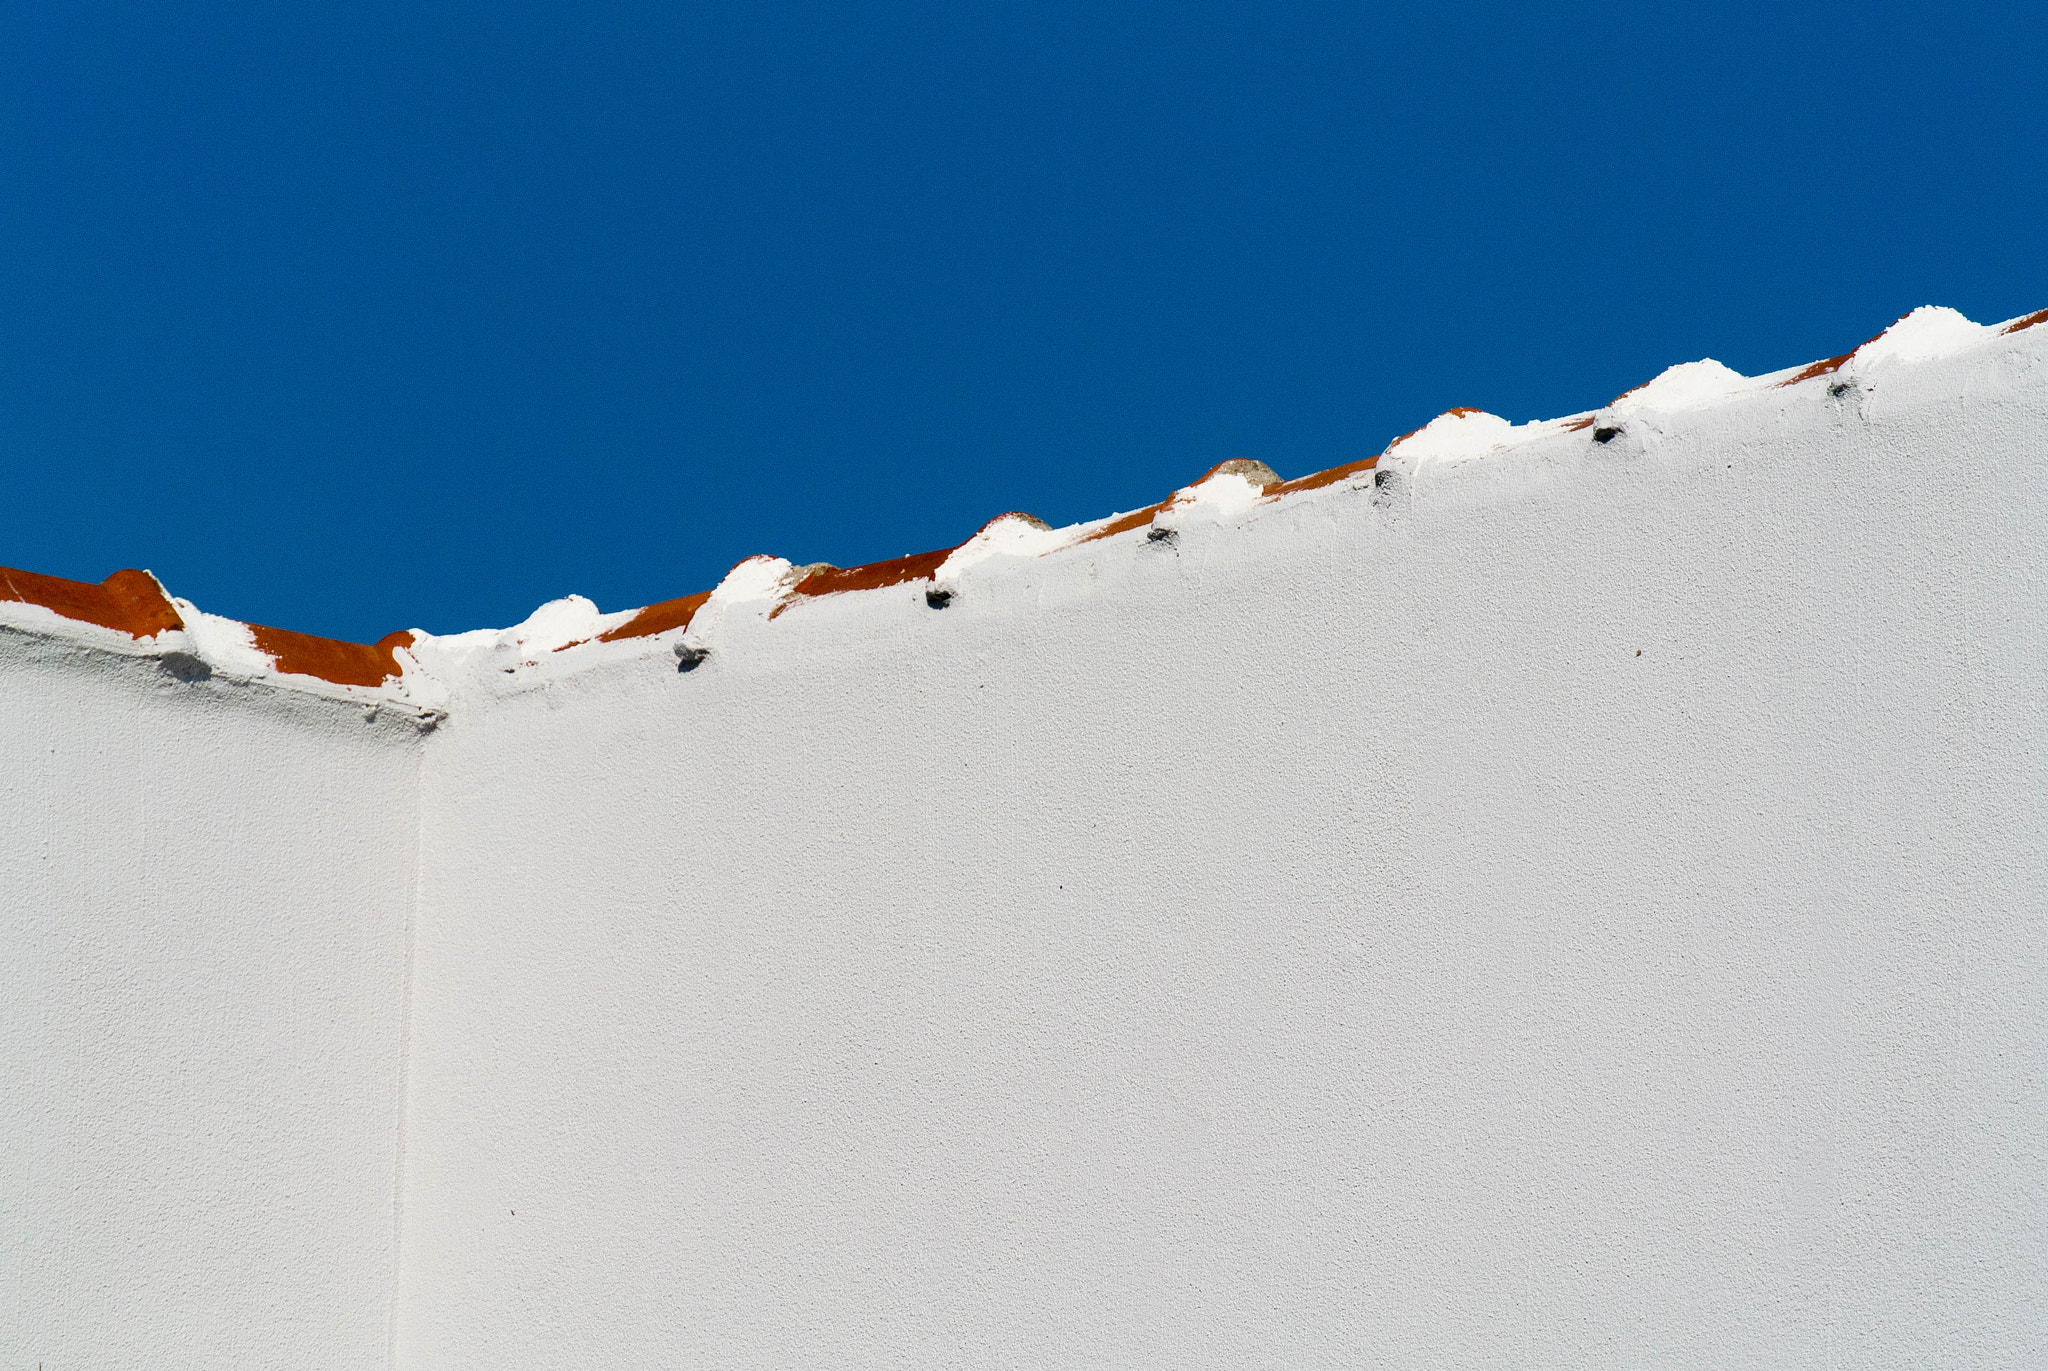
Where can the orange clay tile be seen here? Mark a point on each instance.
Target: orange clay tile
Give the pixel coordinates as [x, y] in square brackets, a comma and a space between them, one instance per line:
[1316, 480]
[831, 580]
[330, 659]
[658, 618]
[1138, 518]
[129, 602]
[1829, 365]
[1459, 411]
[1823, 368]
[132, 602]
[1124, 523]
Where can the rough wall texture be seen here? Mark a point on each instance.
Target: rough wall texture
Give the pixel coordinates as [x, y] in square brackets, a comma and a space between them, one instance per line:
[1321, 942]
[1576, 901]
[204, 891]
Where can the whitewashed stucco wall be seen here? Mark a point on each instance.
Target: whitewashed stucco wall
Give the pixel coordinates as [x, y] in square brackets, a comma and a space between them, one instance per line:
[1580, 906]
[204, 891]
[1563, 904]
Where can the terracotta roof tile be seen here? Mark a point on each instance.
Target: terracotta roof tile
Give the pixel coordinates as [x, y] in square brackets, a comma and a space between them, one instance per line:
[1316, 480]
[669, 614]
[1124, 523]
[1822, 368]
[132, 602]
[330, 659]
[128, 602]
[831, 580]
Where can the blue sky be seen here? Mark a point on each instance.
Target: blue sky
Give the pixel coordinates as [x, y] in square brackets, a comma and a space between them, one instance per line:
[354, 317]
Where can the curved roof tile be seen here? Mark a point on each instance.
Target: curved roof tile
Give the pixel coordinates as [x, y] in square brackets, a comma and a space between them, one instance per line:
[128, 601]
[132, 601]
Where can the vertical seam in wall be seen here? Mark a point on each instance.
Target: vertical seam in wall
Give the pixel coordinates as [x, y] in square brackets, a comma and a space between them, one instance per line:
[404, 1090]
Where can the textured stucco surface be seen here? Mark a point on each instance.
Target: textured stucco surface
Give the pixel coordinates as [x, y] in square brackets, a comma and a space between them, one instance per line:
[1581, 904]
[204, 891]
[1324, 941]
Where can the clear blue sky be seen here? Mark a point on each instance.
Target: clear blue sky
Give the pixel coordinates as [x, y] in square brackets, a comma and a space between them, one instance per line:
[356, 316]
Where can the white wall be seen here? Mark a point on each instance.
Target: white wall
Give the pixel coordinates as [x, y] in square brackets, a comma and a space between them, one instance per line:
[1580, 906]
[204, 894]
[1567, 904]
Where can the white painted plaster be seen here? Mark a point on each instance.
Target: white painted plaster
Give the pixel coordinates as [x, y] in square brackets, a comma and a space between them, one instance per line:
[204, 893]
[1008, 535]
[1689, 385]
[1559, 903]
[228, 646]
[1928, 332]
